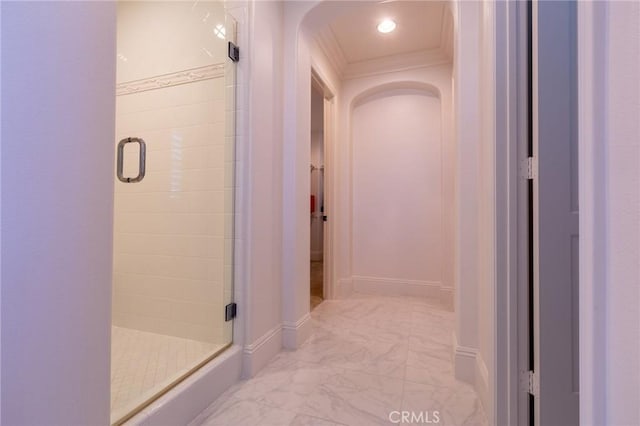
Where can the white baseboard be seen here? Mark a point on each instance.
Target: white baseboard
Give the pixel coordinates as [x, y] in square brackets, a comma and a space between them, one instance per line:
[256, 355]
[286, 335]
[295, 334]
[345, 288]
[446, 297]
[397, 287]
[464, 362]
[183, 403]
[482, 385]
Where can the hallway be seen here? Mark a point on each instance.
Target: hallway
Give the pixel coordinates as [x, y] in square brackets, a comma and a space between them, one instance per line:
[484, 154]
[368, 357]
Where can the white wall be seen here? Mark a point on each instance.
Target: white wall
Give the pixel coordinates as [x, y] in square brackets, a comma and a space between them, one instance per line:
[486, 280]
[302, 56]
[0, 221]
[609, 93]
[173, 230]
[623, 211]
[397, 188]
[475, 199]
[58, 78]
[276, 270]
[438, 281]
[263, 197]
[467, 129]
[296, 179]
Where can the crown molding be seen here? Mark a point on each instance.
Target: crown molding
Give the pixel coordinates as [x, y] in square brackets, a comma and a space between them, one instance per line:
[327, 42]
[173, 79]
[393, 63]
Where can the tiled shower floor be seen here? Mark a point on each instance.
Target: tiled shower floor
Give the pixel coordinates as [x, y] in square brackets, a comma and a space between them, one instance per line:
[142, 363]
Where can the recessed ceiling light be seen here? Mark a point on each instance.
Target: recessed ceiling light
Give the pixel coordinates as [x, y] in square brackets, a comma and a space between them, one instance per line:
[386, 26]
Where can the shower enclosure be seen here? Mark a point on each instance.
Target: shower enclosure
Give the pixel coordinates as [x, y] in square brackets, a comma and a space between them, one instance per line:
[174, 197]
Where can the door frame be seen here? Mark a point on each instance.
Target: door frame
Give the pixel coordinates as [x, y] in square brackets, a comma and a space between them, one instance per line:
[328, 136]
[512, 236]
[511, 231]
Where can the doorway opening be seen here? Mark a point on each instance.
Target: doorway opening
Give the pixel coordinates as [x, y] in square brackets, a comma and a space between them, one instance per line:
[317, 196]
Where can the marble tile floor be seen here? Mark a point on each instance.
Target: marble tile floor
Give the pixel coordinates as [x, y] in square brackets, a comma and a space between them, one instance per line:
[368, 356]
[143, 363]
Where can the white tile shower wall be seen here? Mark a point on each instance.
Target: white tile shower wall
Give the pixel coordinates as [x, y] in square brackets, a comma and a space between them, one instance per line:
[162, 37]
[169, 230]
[173, 232]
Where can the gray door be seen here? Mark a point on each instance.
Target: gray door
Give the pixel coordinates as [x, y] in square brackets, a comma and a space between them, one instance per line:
[555, 213]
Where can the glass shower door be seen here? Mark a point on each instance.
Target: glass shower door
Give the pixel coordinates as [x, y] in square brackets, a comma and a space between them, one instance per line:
[173, 197]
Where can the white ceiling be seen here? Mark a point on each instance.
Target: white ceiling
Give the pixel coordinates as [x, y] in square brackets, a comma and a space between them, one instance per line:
[419, 28]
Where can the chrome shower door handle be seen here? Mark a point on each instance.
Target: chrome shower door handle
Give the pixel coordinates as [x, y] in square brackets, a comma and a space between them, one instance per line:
[141, 164]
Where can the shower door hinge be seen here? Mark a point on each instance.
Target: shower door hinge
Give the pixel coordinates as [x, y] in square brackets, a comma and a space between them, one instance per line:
[234, 52]
[530, 383]
[529, 168]
[230, 311]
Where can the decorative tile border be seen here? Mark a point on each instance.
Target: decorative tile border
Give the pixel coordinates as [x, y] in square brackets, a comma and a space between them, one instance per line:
[167, 80]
